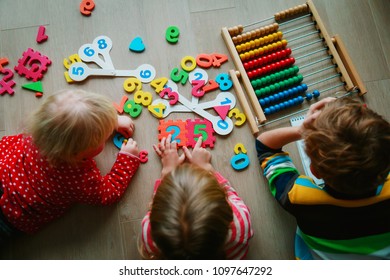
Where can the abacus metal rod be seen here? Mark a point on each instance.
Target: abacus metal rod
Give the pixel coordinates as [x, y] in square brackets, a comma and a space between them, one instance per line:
[324, 80]
[306, 45]
[304, 36]
[319, 71]
[295, 19]
[309, 54]
[314, 62]
[257, 22]
[298, 28]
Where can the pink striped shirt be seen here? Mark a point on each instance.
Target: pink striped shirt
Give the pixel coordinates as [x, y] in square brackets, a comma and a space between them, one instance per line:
[240, 232]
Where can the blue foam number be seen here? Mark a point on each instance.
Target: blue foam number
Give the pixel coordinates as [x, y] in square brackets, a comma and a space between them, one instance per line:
[239, 161]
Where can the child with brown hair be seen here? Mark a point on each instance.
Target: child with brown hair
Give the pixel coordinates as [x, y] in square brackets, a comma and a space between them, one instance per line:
[348, 145]
[48, 169]
[195, 213]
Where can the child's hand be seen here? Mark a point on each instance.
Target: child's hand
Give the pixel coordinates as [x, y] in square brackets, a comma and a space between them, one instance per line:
[125, 126]
[167, 151]
[315, 110]
[130, 146]
[199, 156]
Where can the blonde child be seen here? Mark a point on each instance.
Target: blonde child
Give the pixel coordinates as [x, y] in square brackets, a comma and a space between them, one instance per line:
[348, 145]
[48, 169]
[195, 213]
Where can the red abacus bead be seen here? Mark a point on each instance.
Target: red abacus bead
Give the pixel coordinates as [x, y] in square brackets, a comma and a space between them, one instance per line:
[250, 74]
[288, 51]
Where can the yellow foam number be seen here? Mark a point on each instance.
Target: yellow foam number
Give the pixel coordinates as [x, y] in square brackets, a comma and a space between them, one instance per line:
[239, 148]
[158, 84]
[132, 84]
[240, 117]
[188, 59]
[72, 59]
[143, 97]
[157, 110]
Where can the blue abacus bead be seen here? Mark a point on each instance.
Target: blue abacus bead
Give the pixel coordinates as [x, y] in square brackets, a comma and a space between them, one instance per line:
[300, 99]
[316, 93]
[300, 89]
[282, 106]
[262, 102]
[266, 100]
[286, 104]
[309, 96]
[267, 111]
[304, 87]
[272, 109]
[271, 99]
[276, 97]
[289, 92]
[277, 107]
[281, 95]
[294, 90]
[291, 102]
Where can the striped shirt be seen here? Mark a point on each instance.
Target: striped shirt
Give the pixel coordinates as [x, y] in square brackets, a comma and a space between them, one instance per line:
[330, 225]
[240, 232]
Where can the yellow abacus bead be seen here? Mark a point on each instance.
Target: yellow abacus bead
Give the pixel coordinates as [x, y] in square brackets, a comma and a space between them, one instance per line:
[242, 56]
[261, 41]
[284, 42]
[280, 34]
[261, 51]
[257, 53]
[265, 48]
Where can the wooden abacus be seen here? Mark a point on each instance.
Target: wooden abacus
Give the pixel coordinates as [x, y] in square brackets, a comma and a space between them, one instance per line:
[269, 73]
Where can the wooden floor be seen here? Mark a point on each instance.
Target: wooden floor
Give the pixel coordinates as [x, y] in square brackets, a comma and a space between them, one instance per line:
[88, 232]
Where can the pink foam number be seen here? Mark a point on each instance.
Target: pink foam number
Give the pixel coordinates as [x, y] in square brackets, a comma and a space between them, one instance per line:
[6, 83]
[38, 65]
[222, 110]
[143, 156]
[41, 36]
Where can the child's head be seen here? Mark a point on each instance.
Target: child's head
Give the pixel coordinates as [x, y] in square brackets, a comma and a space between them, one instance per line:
[190, 215]
[348, 145]
[71, 124]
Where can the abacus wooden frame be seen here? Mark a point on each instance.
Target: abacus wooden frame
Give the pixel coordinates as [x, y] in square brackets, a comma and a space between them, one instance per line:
[336, 48]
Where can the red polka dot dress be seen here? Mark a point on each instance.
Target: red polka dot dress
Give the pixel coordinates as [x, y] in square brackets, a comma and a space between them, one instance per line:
[35, 193]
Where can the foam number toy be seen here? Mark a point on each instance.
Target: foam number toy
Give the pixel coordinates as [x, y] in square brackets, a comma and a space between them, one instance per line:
[172, 34]
[6, 83]
[72, 59]
[240, 160]
[86, 7]
[32, 65]
[99, 53]
[221, 124]
[41, 36]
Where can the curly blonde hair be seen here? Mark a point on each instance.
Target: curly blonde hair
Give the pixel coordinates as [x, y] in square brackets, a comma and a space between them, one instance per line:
[190, 216]
[348, 145]
[70, 122]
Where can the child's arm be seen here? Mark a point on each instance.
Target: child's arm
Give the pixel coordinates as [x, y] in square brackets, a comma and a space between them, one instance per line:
[241, 231]
[277, 138]
[167, 151]
[125, 126]
[199, 156]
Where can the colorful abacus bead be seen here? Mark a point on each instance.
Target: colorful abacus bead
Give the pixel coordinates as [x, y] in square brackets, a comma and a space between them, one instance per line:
[316, 93]
[286, 104]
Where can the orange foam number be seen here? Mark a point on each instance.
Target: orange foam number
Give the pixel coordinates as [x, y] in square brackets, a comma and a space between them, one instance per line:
[86, 7]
